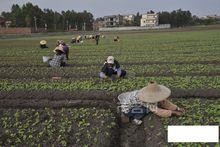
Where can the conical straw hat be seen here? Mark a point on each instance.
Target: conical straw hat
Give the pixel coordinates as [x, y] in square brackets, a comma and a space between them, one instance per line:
[60, 48]
[42, 42]
[153, 93]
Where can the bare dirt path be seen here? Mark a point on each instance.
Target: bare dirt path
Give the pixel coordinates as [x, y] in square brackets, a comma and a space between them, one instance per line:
[150, 133]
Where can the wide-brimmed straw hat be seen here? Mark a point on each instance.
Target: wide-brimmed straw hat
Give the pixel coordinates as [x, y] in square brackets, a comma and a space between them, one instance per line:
[42, 42]
[58, 48]
[110, 60]
[153, 93]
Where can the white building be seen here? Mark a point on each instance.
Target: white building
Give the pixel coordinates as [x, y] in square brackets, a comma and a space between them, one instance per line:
[113, 20]
[128, 17]
[149, 20]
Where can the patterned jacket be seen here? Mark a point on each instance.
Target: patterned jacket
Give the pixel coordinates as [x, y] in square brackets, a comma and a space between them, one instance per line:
[129, 100]
[56, 61]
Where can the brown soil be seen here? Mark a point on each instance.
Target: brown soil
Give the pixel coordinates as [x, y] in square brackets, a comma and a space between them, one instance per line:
[94, 95]
[150, 133]
[132, 135]
[155, 132]
[112, 140]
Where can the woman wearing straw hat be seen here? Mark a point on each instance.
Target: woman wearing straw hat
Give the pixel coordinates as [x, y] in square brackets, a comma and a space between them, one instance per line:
[152, 98]
[111, 69]
[116, 39]
[65, 48]
[43, 44]
[58, 58]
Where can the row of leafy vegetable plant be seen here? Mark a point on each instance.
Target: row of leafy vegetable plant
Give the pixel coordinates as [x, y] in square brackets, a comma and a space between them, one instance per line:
[59, 127]
[198, 112]
[90, 71]
[187, 82]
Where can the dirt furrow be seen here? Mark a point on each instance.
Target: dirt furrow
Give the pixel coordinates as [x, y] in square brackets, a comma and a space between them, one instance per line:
[54, 95]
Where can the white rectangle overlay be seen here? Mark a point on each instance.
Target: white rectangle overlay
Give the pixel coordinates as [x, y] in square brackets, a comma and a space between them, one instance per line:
[193, 133]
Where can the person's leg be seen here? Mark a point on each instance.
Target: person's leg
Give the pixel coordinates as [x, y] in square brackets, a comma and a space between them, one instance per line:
[102, 75]
[123, 73]
[114, 76]
[124, 118]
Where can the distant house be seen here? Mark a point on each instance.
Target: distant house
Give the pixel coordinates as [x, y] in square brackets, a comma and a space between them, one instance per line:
[8, 23]
[217, 17]
[113, 20]
[98, 24]
[149, 20]
[128, 19]
[2, 21]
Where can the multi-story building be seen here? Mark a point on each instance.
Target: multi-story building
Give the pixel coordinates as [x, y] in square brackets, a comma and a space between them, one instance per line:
[113, 20]
[98, 24]
[128, 19]
[211, 17]
[149, 20]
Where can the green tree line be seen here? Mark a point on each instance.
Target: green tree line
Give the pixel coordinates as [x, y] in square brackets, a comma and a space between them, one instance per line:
[28, 14]
[180, 18]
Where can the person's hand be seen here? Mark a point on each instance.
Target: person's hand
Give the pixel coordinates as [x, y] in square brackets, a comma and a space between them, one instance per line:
[181, 110]
[177, 113]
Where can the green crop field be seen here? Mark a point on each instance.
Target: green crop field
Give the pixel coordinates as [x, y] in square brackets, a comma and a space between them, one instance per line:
[80, 109]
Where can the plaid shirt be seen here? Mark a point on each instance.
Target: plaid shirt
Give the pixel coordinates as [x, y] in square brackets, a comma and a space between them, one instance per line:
[56, 61]
[129, 100]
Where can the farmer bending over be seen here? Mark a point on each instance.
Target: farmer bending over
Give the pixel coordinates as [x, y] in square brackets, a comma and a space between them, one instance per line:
[79, 39]
[152, 98]
[65, 49]
[116, 39]
[58, 58]
[111, 69]
[73, 40]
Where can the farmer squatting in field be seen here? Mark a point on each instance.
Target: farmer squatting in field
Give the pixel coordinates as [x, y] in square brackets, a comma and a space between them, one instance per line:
[111, 69]
[58, 58]
[152, 98]
[77, 40]
[43, 44]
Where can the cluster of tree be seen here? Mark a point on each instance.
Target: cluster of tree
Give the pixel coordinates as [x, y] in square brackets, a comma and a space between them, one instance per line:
[137, 19]
[179, 18]
[30, 15]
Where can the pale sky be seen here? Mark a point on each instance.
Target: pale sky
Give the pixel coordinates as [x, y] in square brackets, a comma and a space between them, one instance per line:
[101, 8]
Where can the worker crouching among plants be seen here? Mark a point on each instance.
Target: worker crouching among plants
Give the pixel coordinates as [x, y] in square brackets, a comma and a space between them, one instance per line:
[111, 70]
[152, 98]
[58, 58]
[43, 44]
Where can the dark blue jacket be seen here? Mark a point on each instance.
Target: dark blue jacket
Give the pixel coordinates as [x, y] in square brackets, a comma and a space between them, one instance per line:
[110, 70]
